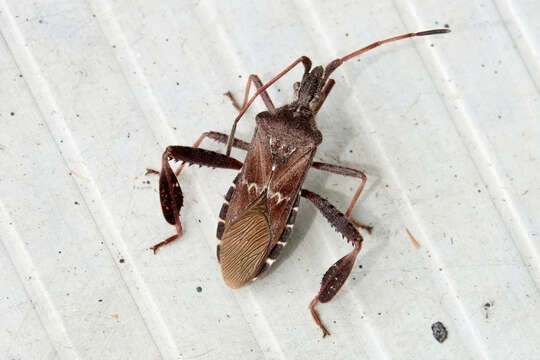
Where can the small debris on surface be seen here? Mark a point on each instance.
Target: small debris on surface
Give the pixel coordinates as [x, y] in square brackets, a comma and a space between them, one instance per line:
[76, 175]
[439, 331]
[122, 261]
[487, 306]
[199, 289]
[413, 240]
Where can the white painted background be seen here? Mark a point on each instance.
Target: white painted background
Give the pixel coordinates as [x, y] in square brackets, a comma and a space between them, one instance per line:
[446, 128]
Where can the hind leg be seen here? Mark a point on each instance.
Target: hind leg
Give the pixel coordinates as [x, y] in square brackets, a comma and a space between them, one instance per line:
[337, 274]
[170, 192]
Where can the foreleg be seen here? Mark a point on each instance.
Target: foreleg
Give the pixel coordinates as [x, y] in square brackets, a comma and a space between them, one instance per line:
[264, 94]
[307, 65]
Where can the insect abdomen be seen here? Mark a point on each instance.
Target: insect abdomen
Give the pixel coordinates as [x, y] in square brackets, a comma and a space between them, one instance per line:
[223, 214]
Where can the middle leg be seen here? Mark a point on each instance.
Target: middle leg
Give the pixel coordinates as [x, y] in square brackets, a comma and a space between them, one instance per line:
[345, 171]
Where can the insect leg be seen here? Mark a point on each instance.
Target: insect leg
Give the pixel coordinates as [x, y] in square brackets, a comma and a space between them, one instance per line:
[214, 135]
[345, 171]
[220, 137]
[307, 65]
[264, 95]
[170, 193]
[337, 274]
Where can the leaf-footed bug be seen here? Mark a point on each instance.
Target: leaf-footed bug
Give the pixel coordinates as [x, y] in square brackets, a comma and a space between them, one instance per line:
[261, 205]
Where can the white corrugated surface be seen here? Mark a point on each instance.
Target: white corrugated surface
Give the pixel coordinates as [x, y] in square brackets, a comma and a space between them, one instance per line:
[446, 128]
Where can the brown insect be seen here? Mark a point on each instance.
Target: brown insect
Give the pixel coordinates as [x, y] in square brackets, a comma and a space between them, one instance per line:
[261, 205]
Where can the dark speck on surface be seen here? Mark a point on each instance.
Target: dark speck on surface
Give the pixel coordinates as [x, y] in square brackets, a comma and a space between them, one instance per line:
[446, 26]
[122, 261]
[487, 306]
[439, 331]
[199, 289]
[12, 113]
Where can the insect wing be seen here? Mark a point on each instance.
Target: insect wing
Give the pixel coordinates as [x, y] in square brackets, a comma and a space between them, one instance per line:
[284, 187]
[245, 244]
